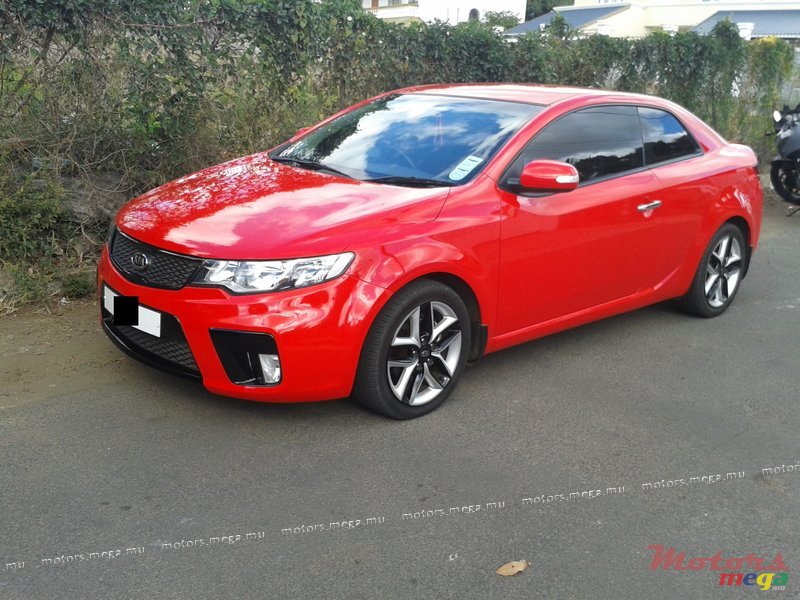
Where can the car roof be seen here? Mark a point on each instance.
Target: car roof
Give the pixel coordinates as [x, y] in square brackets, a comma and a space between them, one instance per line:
[530, 94]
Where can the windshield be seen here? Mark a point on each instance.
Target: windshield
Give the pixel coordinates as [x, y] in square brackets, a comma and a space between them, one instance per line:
[413, 138]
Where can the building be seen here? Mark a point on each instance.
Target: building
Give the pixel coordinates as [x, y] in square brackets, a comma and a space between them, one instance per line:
[637, 18]
[450, 11]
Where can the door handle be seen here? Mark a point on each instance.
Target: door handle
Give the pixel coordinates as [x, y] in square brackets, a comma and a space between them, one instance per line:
[649, 206]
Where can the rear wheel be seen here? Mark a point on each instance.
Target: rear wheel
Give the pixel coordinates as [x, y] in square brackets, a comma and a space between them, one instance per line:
[415, 351]
[717, 278]
[786, 181]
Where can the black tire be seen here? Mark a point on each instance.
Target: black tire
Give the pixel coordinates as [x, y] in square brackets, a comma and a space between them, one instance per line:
[785, 181]
[377, 385]
[723, 276]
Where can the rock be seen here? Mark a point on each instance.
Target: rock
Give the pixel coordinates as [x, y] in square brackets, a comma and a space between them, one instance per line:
[96, 197]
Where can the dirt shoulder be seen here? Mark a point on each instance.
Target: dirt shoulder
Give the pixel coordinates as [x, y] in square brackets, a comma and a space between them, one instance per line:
[46, 354]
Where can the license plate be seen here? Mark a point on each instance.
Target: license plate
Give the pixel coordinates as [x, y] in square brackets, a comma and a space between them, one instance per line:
[149, 320]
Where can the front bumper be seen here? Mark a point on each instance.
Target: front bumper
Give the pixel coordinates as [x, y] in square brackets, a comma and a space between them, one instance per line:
[171, 354]
[318, 332]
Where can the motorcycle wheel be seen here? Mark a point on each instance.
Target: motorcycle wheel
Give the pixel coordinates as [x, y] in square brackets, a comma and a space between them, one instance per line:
[785, 181]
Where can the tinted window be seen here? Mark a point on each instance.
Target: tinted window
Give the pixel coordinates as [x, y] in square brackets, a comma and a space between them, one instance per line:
[664, 137]
[442, 138]
[599, 142]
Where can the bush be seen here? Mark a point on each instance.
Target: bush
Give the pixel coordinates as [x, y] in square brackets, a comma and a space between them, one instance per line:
[39, 254]
[769, 63]
[502, 18]
[33, 221]
[155, 90]
[78, 285]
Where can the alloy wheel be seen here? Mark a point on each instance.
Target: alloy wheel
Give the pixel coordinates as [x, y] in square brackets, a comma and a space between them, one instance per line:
[723, 271]
[424, 353]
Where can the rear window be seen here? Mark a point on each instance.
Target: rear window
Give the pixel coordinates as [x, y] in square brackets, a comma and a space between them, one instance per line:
[665, 139]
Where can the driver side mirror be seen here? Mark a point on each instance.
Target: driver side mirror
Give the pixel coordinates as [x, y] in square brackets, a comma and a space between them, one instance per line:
[548, 176]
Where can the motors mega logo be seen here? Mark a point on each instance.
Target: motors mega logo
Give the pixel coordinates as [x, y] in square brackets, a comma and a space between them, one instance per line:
[748, 570]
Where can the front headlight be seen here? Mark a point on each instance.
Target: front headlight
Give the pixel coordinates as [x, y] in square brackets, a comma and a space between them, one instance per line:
[247, 277]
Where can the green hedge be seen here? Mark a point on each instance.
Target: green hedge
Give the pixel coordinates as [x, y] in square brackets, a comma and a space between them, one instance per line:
[156, 89]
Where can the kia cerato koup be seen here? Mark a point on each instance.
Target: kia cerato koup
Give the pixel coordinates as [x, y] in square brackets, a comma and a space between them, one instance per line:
[378, 252]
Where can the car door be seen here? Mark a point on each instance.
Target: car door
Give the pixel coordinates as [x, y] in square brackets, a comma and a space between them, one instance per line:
[675, 158]
[563, 253]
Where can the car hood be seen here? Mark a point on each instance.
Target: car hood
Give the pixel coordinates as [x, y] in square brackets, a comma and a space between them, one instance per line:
[254, 208]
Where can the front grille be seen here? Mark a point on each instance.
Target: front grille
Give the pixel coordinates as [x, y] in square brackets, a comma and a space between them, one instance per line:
[170, 352]
[174, 350]
[163, 269]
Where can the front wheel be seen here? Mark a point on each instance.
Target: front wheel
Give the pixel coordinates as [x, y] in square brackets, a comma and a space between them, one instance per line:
[718, 276]
[415, 351]
[786, 181]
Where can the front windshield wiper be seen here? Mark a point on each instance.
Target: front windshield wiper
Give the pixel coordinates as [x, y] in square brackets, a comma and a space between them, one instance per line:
[313, 165]
[410, 181]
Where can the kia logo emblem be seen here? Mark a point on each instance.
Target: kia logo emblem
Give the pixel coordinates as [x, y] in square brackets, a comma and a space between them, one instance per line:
[140, 260]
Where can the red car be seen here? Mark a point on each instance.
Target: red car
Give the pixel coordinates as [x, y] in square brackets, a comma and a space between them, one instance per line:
[378, 252]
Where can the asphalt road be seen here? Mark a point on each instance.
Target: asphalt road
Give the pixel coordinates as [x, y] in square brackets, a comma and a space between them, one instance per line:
[136, 484]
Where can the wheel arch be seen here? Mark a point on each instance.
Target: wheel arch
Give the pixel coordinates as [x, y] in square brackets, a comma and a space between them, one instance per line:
[467, 293]
[744, 227]
[464, 290]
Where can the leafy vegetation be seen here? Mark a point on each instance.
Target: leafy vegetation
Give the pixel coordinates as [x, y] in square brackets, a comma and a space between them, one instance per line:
[504, 18]
[537, 8]
[143, 92]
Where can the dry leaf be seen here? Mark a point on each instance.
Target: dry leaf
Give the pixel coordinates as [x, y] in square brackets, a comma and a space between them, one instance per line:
[513, 568]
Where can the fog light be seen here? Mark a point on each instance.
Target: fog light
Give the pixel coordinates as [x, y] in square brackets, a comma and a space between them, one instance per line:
[270, 368]
[248, 357]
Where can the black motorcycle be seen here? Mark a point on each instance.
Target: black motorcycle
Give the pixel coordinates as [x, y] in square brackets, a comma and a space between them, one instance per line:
[785, 172]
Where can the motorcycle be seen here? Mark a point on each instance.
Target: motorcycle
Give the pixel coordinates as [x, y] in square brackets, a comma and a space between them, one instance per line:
[785, 172]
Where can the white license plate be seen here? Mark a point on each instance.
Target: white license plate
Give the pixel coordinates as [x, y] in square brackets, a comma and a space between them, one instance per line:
[149, 320]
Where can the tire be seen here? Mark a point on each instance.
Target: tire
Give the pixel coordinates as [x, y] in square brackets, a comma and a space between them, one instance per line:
[719, 274]
[402, 374]
[785, 181]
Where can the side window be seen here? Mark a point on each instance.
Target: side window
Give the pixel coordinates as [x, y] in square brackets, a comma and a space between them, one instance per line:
[664, 137]
[599, 142]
